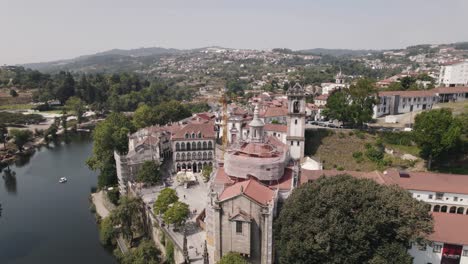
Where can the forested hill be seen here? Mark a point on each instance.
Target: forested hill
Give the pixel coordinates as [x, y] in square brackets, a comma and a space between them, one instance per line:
[115, 60]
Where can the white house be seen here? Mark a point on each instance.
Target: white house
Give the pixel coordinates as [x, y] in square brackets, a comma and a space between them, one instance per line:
[454, 74]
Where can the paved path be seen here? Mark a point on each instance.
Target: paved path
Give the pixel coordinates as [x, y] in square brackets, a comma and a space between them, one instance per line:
[101, 204]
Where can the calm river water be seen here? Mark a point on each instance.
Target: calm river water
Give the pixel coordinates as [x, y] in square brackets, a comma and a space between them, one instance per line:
[46, 222]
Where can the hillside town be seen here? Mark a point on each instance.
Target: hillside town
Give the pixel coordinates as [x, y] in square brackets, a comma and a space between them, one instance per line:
[213, 154]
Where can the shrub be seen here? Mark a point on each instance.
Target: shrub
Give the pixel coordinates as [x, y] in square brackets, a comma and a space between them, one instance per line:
[360, 134]
[113, 195]
[170, 252]
[374, 154]
[358, 156]
[106, 232]
[341, 135]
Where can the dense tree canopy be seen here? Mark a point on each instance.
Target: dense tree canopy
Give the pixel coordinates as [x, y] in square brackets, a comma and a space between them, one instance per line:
[354, 105]
[149, 173]
[167, 197]
[109, 135]
[177, 213]
[436, 132]
[342, 219]
[76, 105]
[130, 217]
[21, 137]
[145, 253]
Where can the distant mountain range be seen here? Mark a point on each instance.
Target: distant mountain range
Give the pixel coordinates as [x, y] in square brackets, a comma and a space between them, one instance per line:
[139, 59]
[105, 61]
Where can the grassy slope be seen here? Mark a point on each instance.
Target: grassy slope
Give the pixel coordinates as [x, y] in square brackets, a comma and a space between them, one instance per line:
[336, 150]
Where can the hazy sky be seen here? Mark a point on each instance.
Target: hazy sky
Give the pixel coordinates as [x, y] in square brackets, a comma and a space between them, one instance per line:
[44, 30]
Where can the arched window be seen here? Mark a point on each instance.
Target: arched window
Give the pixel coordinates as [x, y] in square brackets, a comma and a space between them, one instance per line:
[210, 156]
[194, 146]
[296, 107]
[188, 146]
[199, 135]
[182, 146]
[199, 155]
[204, 155]
[453, 209]
[210, 145]
[199, 145]
[204, 144]
[460, 210]
[436, 208]
[189, 156]
[183, 156]
[177, 146]
[443, 209]
[186, 135]
[177, 156]
[211, 164]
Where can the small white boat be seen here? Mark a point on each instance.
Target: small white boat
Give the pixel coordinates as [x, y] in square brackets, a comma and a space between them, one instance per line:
[63, 180]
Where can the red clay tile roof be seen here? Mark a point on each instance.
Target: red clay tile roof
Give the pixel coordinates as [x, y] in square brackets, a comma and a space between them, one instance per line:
[428, 181]
[426, 93]
[422, 181]
[421, 93]
[250, 188]
[276, 127]
[322, 97]
[449, 90]
[276, 111]
[221, 177]
[285, 183]
[205, 128]
[450, 228]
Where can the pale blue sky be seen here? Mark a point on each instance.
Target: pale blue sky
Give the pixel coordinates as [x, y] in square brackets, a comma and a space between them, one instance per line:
[44, 30]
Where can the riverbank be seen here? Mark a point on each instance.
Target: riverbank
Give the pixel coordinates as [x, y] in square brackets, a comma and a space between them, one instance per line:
[11, 154]
[44, 221]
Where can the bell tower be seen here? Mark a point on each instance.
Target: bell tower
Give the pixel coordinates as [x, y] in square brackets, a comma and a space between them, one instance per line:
[296, 122]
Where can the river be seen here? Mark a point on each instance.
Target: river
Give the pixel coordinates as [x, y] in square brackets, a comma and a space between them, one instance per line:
[44, 221]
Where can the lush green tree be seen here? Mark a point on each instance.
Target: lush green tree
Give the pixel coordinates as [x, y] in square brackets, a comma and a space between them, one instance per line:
[149, 173]
[232, 258]
[51, 132]
[144, 116]
[338, 106]
[3, 134]
[177, 213]
[171, 111]
[354, 105]
[207, 170]
[436, 132]
[129, 215]
[21, 137]
[407, 81]
[76, 105]
[13, 93]
[145, 253]
[65, 87]
[342, 219]
[106, 232]
[109, 135]
[167, 197]
[394, 86]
